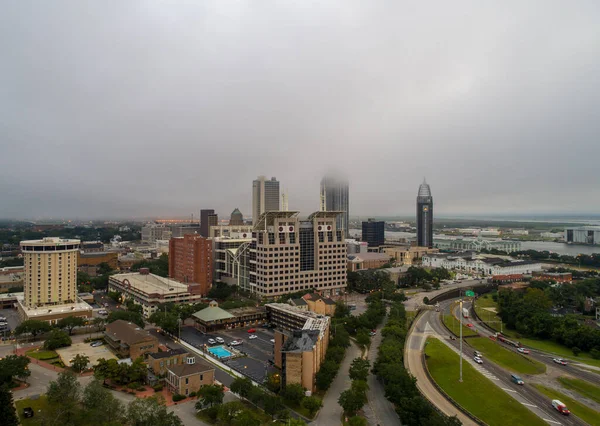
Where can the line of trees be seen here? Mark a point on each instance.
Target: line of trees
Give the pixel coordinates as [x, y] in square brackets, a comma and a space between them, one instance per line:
[353, 399]
[400, 387]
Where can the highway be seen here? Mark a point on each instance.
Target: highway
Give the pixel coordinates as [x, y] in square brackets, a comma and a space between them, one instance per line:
[527, 395]
[543, 357]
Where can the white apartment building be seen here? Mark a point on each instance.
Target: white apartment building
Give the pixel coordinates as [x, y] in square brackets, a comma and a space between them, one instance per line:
[155, 231]
[288, 254]
[470, 263]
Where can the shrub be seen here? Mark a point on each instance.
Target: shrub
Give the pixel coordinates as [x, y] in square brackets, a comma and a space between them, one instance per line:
[178, 397]
[576, 350]
[192, 394]
[157, 388]
[134, 385]
[595, 353]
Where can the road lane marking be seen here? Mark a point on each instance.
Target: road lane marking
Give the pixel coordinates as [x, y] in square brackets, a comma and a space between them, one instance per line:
[529, 405]
[551, 421]
[510, 390]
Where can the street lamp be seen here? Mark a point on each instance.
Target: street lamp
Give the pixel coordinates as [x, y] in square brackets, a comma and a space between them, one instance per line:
[461, 341]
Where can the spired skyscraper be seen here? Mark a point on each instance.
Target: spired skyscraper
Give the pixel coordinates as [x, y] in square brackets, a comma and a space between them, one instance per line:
[335, 197]
[424, 216]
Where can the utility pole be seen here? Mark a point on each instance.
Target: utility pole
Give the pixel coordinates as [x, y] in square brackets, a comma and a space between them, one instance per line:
[461, 337]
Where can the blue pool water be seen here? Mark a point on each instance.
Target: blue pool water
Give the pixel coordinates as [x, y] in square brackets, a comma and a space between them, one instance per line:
[219, 351]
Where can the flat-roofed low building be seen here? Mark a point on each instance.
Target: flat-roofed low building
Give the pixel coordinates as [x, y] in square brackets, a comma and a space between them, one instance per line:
[215, 318]
[320, 305]
[128, 340]
[189, 377]
[361, 261]
[88, 262]
[150, 291]
[559, 277]
[407, 254]
[11, 277]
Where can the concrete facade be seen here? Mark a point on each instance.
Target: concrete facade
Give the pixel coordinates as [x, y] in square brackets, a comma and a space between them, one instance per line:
[265, 197]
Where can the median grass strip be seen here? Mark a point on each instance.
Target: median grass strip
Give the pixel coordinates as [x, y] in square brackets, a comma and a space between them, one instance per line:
[558, 349]
[585, 413]
[476, 393]
[453, 324]
[509, 359]
[582, 387]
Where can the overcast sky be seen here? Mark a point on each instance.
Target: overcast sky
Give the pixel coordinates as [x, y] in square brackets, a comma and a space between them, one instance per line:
[160, 108]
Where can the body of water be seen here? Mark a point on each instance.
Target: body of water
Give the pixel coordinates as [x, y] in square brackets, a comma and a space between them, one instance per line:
[560, 248]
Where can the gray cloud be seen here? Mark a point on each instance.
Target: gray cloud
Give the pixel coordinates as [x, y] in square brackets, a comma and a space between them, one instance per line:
[141, 108]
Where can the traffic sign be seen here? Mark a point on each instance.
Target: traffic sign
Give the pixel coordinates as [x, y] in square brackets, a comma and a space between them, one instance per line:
[469, 293]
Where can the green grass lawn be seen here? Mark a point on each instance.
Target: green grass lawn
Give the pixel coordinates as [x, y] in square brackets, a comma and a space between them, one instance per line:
[580, 410]
[453, 324]
[509, 359]
[558, 349]
[582, 387]
[38, 404]
[42, 355]
[477, 394]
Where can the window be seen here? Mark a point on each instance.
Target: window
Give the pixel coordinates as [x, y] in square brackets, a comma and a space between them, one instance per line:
[187, 381]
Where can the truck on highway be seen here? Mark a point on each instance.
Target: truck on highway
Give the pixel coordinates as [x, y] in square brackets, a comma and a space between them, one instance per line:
[465, 313]
[503, 339]
[560, 407]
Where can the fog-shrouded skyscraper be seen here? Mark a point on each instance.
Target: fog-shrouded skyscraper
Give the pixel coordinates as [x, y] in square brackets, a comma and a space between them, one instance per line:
[424, 216]
[265, 196]
[335, 197]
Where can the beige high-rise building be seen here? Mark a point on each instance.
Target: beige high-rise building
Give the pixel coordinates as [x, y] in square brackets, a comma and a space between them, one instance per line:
[50, 287]
[265, 196]
[288, 254]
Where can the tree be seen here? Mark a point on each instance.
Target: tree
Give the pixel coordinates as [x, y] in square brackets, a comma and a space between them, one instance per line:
[229, 411]
[273, 382]
[33, 327]
[98, 402]
[293, 393]
[69, 323]
[359, 369]
[296, 422]
[57, 339]
[357, 421]
[168, 321]
[64, 396]
[272, 405]
[13, 366]
[352, 400]
[128, 316]
[246, 418]
[150, 412]
[80, 362]
[312, 404]
[209, 395]
[326, 374]
[99, 323]
[242, 386]
[134, 307]
[8, 414]
[362, 338]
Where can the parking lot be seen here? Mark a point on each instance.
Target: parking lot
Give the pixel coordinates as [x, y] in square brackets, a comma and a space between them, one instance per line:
[94, 354]
[259, 360]
[12, 318]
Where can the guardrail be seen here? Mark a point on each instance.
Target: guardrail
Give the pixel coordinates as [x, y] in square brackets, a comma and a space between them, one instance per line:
[460, 322]
[448, 397]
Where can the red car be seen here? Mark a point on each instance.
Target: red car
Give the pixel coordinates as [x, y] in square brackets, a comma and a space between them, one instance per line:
[469, 325]
[252, 330]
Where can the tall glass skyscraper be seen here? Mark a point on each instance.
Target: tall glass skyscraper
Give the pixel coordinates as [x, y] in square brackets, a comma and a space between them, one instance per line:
[335, 197]
[265, 197]
[424, 216]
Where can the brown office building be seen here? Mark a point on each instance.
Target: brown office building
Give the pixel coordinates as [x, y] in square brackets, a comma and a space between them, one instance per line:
[159, 362]
[186, 378]
[128, 340]
[190, 261]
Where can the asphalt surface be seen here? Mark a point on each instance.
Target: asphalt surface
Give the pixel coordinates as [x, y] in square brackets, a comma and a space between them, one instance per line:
[526, 394]
[543, 357]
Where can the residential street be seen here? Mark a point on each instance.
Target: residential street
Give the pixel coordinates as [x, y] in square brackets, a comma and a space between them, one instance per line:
[331, 412]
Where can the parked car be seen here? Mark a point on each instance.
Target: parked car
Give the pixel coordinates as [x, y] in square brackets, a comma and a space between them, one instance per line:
[220, 340]
[560, 407]
[106, 305]
[103, 312]
[97, 343]
[560, 361]
[253, 336]
[273, 341]
[523, 351]
[235, 343]
[478, 360]
[28, 412]
[372, 333]
[516, 379]
[211, 341]
[252, 330]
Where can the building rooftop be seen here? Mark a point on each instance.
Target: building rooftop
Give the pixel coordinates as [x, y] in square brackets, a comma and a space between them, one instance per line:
[299, 302]
[212, 313]
[424, 190]
[182, 370]
[51, 241]
[151, 284]
[301, 341]
[361, 257]
[167, 354]
[313, 321]
[41, 311]
[127, 332]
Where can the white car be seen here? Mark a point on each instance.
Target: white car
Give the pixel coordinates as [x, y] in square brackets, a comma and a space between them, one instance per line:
[97, 343]
[220, 340]
[103, 312]
[253, 336]
[523, 351]
[211, 341]
[478, 354]
[560, 361]
[273, 341]
[478, 360]
[235, 343]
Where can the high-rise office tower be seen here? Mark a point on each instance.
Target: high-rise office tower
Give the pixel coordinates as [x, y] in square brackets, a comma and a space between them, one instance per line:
[424, 216]
[191, 260]
[373, 232]
[265, 196]
[335, 197]
[208, 218]
[237, 218]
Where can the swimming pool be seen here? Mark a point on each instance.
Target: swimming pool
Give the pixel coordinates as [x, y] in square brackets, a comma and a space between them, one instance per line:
[219, 352]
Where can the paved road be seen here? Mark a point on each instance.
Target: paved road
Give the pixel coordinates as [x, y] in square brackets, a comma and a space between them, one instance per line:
[417, 299]
[415, 343]
[331, 413]
[381, 411]
[527, 395]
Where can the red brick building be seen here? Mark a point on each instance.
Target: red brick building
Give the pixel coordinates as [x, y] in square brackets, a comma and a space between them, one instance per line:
[191, 260]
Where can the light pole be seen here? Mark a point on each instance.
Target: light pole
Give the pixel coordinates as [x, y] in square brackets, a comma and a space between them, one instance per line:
[461, 339]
